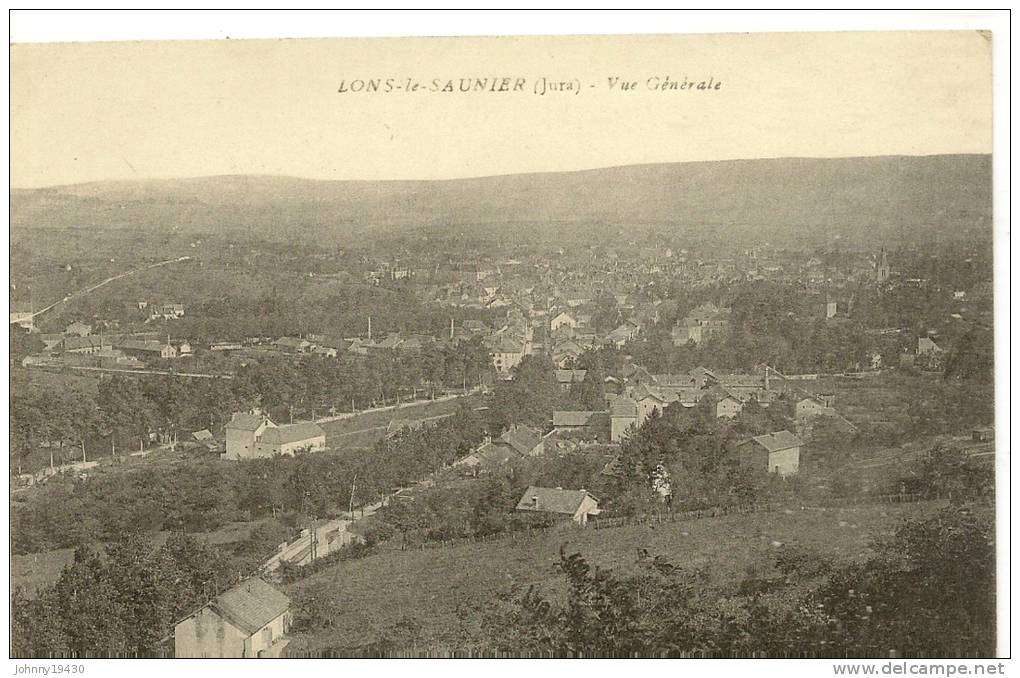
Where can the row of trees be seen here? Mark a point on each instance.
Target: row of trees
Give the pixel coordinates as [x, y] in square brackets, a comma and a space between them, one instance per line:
[125, 412]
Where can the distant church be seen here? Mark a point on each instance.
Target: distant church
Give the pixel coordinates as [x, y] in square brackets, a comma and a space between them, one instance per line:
[882, 267]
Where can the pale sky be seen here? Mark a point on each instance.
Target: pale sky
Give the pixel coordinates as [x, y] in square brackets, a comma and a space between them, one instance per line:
[93, 111]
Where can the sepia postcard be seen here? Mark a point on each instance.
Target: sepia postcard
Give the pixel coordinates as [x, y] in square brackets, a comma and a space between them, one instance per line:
[600, 346]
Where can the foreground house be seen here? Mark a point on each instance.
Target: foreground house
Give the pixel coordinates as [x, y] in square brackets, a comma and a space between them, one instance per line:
[247, 621]
[577, 504]
[777, 452]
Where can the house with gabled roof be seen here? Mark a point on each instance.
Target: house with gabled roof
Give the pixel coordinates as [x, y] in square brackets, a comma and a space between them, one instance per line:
[725, 403]
[249, 620]
[577, 504]
[525, 441]
[491, 454]
[777, 453]
[562, 319]
[927, 345]
[243, 429]
[565, 351]
[506, 352]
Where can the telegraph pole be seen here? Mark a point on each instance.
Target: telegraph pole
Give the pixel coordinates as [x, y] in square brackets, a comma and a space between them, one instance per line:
[355, 480]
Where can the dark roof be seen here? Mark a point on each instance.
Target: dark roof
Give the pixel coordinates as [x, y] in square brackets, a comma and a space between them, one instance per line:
[505, 344]
[775, 442]
[522, 439]
[552, 500]
[571, 418]
[243, 421]
[496, 453]
[150, 345]
[292, 433]
[251, 604]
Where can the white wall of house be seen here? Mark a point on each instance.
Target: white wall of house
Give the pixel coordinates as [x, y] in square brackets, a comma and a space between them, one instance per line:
[785, 462]
[588, 507]
[728, 407]
[208, 635]
[619, 426]
[316, 444]
[241, 444]
[262, 639]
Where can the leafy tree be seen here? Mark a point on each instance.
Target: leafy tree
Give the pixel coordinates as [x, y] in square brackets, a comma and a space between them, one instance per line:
[529, 398]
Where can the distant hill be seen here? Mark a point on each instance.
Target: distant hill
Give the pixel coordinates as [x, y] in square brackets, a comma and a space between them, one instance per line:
[918, 197]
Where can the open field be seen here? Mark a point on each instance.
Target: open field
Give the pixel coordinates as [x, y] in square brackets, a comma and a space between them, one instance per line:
[440, 595]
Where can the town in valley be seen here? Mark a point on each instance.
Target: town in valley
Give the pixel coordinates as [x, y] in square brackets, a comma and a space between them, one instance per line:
[565, 414]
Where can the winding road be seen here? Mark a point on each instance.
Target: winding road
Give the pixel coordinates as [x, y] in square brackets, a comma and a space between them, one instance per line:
[92, 288]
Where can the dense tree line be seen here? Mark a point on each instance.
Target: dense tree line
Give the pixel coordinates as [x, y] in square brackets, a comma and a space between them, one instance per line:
[204, 495]
[930, 590]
